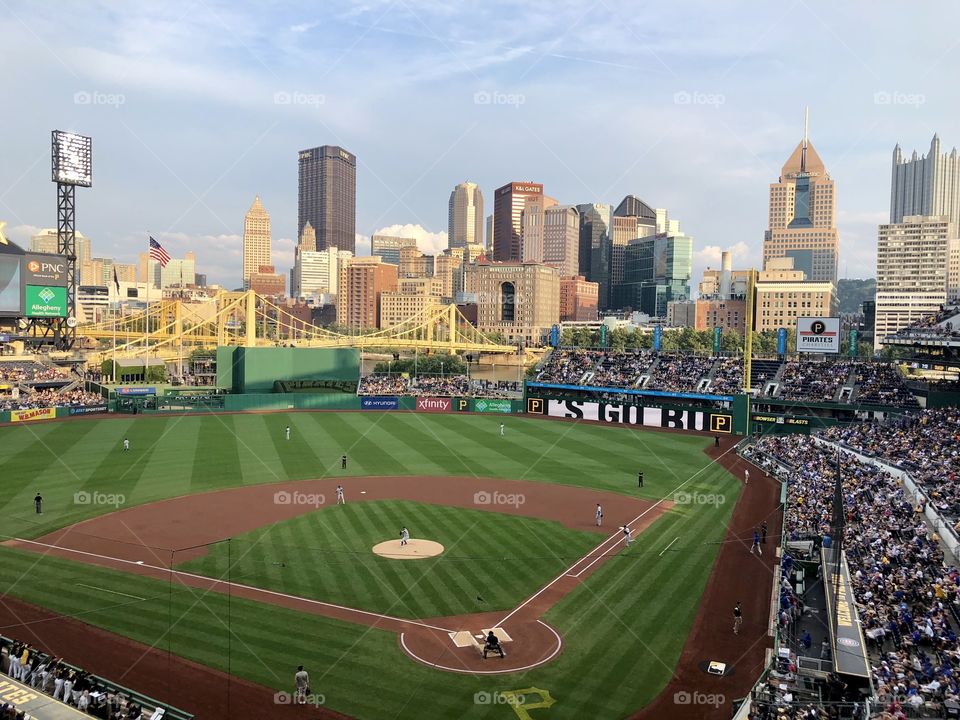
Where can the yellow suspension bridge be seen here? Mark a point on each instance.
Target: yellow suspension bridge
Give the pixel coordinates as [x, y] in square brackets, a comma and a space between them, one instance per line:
[169, 329]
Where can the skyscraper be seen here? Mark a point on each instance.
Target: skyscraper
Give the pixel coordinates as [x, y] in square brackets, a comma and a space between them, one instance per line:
[803, 215]
[465, 216]
[328, 196]
[532, 224]
[913, 270]
[632, 219]
[595, 249]
[657, 271]
[256, 240]
[388, 247]
[561, 239]
[509, 202]
[927, 185]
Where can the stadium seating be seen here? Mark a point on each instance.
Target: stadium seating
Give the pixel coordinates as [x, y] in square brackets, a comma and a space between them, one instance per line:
[799, 380]
[906, 593]
[435, 386]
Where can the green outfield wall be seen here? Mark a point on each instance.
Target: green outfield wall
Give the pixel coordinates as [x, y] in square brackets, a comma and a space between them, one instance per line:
[254, 370]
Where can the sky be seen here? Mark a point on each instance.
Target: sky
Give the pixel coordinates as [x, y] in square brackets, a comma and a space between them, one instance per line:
[197, 107]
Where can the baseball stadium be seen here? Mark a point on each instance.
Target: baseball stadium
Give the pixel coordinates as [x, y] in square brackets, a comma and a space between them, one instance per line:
[241, 517]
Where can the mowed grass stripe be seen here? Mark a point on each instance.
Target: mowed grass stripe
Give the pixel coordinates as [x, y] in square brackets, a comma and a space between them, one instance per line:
[218, 449]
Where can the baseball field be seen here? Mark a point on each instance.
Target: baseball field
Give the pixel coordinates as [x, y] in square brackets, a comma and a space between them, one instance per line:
[218, 541]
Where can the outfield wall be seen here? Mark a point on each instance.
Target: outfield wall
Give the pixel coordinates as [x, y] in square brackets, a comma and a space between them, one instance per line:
[254, 370]
[662, 415]
[38, 414]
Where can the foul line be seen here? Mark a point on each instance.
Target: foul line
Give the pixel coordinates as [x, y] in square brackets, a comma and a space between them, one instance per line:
[615, 537]
[94, 587]
[543, 661]
[668, 546]
[233, 584]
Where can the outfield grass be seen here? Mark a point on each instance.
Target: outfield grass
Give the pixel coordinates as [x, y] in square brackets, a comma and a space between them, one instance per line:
[326, 555]
[623, 628]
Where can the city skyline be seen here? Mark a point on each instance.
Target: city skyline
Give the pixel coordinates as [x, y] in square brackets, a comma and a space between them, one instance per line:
[705, 141]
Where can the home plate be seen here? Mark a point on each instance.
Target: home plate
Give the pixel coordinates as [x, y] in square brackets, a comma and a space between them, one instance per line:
[363, 492]
[462, 638]
[500, 633]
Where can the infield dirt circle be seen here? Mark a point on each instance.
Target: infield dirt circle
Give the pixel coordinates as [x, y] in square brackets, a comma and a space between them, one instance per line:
[415, 549]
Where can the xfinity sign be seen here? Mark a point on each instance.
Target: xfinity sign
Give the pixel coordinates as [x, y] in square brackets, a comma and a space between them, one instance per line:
[818, 335]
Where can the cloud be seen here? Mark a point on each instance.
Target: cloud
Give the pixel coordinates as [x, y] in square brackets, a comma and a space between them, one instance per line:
[710, 255]
[303, 27]
[21, 234]
[362, 245]
[430, 243]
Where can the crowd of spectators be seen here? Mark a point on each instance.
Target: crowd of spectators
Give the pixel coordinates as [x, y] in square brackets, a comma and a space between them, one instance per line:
[945, 323]
[906, 593]
[816, 381]
[882, 384]
[441, 385]
[568, 366]
[50, 398]
[621, 369]
[926, 444]
[28, 372]
[436, 386]
[383, 385]
[678, 373]
[727, 376]
[51, 675]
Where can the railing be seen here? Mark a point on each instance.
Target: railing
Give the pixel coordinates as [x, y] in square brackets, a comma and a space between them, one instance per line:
[105, 685]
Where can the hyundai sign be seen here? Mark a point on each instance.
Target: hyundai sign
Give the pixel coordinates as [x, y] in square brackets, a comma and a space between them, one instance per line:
[818, 335]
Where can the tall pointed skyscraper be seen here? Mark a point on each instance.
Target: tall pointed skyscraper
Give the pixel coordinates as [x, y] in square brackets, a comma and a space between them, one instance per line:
[803, 215]
[925, 185]
[465, 216]
[256, 240]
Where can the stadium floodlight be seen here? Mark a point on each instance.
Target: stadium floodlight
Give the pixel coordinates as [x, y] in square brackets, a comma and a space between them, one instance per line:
[71, 156]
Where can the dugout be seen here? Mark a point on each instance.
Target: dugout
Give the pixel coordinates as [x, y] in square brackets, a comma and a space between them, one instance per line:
[254, 370]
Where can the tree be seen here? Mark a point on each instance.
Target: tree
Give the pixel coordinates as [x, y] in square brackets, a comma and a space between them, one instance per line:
[424, 365]
[731, 342]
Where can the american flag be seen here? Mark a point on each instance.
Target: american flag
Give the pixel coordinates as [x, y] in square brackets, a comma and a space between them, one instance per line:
[158, 253]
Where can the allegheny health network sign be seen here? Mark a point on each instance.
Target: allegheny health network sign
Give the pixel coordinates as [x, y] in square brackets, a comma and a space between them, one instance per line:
[45, 301]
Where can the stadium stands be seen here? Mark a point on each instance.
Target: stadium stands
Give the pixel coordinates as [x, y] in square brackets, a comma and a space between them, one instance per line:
[925, 444]
[26, 384]
[837, 381]
[906, 592]
[435, 386]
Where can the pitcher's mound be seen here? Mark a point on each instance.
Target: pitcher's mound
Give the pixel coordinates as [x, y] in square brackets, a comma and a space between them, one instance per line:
[413, 550]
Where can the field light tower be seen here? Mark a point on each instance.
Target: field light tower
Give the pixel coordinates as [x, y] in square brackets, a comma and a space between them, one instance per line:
[71, 166]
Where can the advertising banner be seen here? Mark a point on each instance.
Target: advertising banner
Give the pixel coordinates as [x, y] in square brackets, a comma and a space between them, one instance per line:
[657, 338]
[33, 414]
[88, 409]
[439, 405]
[555, 336]
[782, 341]
[483, 405]
[717, 332]
[620, 414]
[372, 402]
[42, 269]
[127, 391]
[818, 334]
[45, 301]
[846, 631]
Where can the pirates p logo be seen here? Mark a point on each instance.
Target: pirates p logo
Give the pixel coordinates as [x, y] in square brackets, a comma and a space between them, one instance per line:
[721, 423]
[535, 406]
